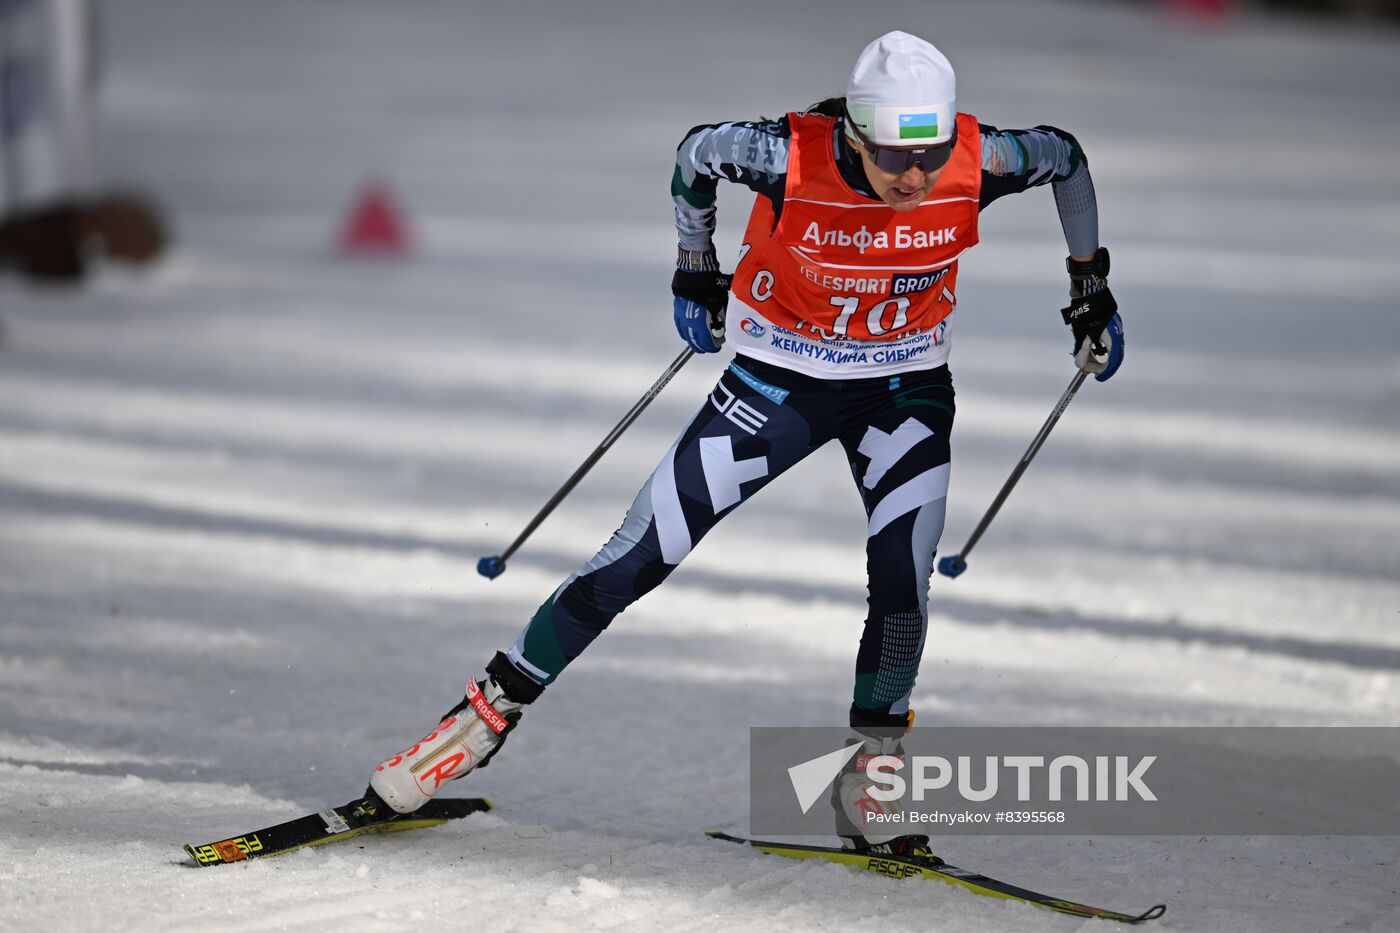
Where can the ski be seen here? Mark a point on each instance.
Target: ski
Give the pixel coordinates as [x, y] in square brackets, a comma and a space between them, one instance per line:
[931, 866]
[360, 817]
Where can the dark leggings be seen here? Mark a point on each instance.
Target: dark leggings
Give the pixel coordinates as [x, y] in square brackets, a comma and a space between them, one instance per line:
[759, 420]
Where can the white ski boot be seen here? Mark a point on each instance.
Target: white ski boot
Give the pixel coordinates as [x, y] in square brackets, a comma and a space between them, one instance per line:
[863, 822]
[465, 739]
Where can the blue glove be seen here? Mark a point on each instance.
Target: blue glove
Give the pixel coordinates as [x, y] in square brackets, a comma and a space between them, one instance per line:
[701, 298]
[1112, 335]
[1092, 316]
[698, 326]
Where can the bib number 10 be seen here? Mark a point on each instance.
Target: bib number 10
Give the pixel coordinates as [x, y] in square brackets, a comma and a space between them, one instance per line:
[895, 309]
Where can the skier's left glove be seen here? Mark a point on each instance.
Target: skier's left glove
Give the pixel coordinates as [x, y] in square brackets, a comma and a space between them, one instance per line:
[1092, 316]
[701, 298]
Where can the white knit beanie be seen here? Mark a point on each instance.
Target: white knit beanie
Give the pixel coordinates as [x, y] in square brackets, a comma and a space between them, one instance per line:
[902, 92]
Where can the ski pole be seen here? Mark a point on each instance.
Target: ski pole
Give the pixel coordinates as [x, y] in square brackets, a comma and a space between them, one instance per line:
[957, 563]
[492, 567]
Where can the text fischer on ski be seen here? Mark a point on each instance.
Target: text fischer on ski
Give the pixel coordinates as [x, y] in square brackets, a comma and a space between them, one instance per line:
[841, 310]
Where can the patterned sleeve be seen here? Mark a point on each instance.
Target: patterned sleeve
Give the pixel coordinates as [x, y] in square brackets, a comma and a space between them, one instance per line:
[754, 155]
[1014, 160]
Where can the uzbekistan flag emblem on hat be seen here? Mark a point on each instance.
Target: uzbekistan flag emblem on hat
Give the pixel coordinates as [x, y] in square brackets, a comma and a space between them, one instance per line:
[918, 125]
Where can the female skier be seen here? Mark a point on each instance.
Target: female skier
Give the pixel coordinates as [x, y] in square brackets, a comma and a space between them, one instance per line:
[846, 291]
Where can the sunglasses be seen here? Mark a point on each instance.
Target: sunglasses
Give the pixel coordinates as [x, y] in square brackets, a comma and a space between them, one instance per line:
[897, 160]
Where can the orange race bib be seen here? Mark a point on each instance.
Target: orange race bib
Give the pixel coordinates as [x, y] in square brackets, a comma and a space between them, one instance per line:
[841, 285]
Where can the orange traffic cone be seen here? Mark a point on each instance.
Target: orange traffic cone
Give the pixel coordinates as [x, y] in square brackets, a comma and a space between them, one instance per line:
[374, 225]
[1202, 12]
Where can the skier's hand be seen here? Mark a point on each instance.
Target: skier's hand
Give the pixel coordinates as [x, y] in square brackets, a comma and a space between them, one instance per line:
[701, 297]
[1093, 318]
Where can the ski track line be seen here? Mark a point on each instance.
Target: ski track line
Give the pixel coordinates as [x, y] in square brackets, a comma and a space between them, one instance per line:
[249, 488]
[1274, 601]
[1222, 268]
[367, 427]
[365, 351]
[826, 628]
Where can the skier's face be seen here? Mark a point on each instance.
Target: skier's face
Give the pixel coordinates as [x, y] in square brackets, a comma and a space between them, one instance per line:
[902, 192]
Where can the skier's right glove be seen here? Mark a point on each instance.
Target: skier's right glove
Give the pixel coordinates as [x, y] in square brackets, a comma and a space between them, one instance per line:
[1092, 316]
[701, 297]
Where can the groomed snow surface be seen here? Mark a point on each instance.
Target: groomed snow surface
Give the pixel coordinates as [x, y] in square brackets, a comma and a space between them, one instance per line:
[242, 493]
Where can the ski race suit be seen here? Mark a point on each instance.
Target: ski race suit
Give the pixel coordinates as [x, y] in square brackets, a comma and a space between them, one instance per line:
[841, 312]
